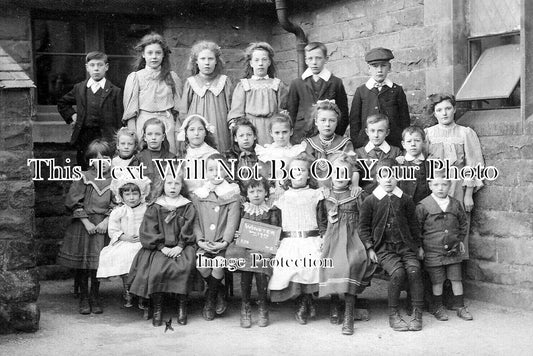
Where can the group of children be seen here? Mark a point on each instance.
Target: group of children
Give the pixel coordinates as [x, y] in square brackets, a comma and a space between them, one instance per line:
[162, 229]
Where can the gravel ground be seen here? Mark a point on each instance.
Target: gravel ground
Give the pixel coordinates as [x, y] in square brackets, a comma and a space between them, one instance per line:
[495, 330]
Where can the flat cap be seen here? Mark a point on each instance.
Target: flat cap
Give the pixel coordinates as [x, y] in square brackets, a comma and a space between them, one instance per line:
[378, 54]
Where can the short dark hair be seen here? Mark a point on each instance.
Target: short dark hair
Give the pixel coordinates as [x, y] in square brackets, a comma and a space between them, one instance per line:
[373, 119]
[414, 129]
[317, 45]
[254, 183]
[437, 98]
[129, 187]
[96, 55]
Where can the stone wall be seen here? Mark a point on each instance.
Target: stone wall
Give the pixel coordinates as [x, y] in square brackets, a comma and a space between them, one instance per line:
[418, 32]
[428, 39]
[231, 31]
[19, 285]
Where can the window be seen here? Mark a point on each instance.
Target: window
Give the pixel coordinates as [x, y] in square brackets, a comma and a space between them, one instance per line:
[61, 41]
[494, 78]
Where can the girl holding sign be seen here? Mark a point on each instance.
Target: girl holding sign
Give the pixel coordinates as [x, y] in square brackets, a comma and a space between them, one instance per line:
[256, 209]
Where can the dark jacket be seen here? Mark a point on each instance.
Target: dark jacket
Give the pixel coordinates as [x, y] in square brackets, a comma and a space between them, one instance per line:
[418, 188]
[111, 109]
[301, 99]
[389, 101]
[373, 218]
[442, 231]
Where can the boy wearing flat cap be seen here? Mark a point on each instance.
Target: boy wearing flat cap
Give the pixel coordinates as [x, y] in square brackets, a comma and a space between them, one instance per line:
[379, 95]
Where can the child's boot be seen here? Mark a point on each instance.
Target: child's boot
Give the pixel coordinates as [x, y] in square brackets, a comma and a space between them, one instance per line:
[311, 305]
[263, 319]
[127, 296]
[396, 322]
[246, 315]
[158, 309]
[440, 312]
[182, 309]
[209, 308]
[301, 312]
[262, 284]
[85, 307]
[96, 306]
[334, 310]
[416, 323]
[144, 305]
[462, 311]
[347, 324]
[221, 303]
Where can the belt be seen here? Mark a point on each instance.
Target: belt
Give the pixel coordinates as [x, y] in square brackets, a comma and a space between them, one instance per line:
[157, 112]
[300, 234]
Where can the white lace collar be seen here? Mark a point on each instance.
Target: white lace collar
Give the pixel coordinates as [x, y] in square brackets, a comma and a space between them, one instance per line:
[199, 152]
[224, 189]
[253, 209]
[200, 89]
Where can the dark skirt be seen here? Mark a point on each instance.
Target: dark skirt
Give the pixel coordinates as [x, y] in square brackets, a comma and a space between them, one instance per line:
[153, 272]
[352, 269]
[245, 254]
[81, 250]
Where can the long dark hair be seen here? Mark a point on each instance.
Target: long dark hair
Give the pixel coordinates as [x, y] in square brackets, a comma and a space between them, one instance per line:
[259, 46]
[140, 63]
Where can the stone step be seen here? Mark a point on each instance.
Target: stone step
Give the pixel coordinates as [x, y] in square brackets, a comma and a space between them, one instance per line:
[53, 131]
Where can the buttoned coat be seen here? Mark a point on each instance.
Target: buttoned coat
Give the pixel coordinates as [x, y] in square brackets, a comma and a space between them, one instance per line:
[441, 230]
[389, 101]
[373, 219]
[111, 109]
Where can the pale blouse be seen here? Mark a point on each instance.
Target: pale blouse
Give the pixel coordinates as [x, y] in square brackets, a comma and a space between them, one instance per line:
[458, 144]
[298, 209]
[121, 162]
[144, 91]
[270, 152]
[258, 98]
[125, 220]
[210, 100]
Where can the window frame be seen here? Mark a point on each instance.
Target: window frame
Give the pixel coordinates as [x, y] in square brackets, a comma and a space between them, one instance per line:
[94, 36]
[475, 50]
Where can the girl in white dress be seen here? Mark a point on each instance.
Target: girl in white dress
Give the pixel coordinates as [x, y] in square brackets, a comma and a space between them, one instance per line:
[304, 222]
[124, 223]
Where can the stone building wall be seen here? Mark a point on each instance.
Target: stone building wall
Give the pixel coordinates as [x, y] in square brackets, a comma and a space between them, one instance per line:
[428, 39]
[233, 32]
[19, 285]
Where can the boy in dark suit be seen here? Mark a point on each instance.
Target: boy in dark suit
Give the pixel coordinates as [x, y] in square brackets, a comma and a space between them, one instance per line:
[379, 95]
[413, 138]
[377, 129]
[99, 107]
[389, 230]
[316, 83]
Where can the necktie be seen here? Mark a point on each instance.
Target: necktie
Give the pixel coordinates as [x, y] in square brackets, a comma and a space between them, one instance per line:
[316, 78]
[378, 86]
[379, 152]
[95, 86]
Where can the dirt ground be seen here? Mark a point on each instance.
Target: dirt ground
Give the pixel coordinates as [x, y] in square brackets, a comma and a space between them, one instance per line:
[495, 330]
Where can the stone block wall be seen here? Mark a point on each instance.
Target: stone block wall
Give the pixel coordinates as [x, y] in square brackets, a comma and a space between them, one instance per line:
[19, 285]
[232, 31]
[418, 32]
[428, 39]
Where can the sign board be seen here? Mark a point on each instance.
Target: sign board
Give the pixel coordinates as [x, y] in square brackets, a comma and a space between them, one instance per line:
[258, 236]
